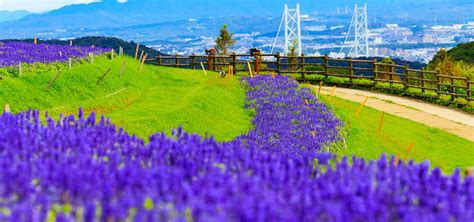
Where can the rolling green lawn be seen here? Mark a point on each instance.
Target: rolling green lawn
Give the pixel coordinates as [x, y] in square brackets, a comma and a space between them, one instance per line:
[153, 100]
[442, 149]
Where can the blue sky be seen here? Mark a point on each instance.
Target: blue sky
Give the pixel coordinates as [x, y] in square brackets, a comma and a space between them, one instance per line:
[37, 5]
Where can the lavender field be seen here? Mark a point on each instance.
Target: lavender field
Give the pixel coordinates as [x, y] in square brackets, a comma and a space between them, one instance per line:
[83, 169]
[13, 53]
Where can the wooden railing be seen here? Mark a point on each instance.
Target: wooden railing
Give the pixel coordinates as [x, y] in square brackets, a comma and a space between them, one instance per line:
[369, 73]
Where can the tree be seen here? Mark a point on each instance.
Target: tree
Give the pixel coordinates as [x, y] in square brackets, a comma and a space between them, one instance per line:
[224, 41]
[387, 60]
[445, 64]
[386, 68]
[292, 56]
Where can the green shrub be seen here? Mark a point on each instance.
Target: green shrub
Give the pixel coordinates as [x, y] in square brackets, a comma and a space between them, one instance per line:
[460, 101]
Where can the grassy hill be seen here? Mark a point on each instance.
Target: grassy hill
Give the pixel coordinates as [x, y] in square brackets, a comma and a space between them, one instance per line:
[143, 102]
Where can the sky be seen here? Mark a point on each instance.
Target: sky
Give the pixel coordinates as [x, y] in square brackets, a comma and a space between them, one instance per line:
[37, 5]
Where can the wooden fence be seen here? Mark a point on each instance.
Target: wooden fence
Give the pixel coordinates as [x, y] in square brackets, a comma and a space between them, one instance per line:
[349, 72]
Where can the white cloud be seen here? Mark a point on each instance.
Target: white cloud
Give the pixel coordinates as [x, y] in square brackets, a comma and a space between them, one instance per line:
[38, 5]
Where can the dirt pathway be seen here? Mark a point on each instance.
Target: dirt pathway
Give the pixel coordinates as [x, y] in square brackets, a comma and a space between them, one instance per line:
[449, 120]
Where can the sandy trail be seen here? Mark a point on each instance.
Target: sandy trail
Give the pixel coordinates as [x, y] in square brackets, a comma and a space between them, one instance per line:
[449, 120]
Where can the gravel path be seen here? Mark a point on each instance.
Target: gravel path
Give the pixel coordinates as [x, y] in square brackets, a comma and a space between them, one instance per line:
[449, 120]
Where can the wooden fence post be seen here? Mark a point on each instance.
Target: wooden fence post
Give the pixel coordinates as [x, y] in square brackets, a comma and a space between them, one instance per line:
[6, 109]
[209, 62]
[375, 72]
[112, 52]
[407, 73]
[303, 67]
[469, 172]
[136, 51]
[141, 55]
[193, 61]
[234, 62]
[176, 61]
[439, 81]
[278, 63]
[453, 87]
[214, 61]
[70, 63]
[469, 92]
[326, 67]
[422, 77]
[393, 70]
[158, 58]
[351, 69]
[256, 64]
[143, 61]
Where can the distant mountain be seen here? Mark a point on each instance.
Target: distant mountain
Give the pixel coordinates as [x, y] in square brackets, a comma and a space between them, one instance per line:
[12, 15]
[129, 48]
[112, 14]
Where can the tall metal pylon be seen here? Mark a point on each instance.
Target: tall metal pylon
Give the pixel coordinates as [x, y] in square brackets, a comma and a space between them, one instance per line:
[360, 46]
[292, 20]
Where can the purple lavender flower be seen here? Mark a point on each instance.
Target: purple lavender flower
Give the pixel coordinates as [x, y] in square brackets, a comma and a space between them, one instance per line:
[13, 53]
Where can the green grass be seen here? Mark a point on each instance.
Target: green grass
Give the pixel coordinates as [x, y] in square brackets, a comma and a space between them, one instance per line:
[442, 149]
[154, 100]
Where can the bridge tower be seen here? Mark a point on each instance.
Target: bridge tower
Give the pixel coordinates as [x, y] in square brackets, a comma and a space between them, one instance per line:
[292, 21]
[359, 47]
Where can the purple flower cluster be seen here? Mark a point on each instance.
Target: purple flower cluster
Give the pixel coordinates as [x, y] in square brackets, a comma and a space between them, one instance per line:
[80, 169]
[288, 119]
[13, 53]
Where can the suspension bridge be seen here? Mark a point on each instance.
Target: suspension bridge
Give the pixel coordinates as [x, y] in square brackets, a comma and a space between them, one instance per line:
[356, 42]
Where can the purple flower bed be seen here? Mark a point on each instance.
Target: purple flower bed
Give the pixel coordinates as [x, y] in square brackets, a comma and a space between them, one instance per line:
[288, 119]
[13, 53]
[80, 168]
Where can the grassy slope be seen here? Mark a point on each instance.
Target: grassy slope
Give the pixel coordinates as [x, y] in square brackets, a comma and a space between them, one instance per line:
[442, 149]
[153, 100]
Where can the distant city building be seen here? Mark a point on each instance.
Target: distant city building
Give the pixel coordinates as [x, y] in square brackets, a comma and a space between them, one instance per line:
[428, 39]
[378, 40]
[393, 26]
[316, 28]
